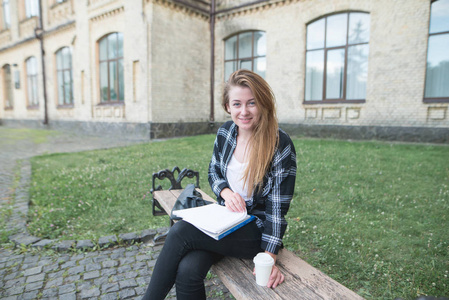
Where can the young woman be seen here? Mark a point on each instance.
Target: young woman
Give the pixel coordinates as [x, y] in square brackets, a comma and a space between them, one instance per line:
[253, 168]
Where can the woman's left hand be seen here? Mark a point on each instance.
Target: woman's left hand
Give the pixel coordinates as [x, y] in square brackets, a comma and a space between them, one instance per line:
[276, 277]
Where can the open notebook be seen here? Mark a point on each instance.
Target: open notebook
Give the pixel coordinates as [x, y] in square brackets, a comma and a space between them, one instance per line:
[214, 220]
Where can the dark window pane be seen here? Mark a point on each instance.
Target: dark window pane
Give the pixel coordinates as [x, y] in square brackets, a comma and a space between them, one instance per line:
[437, 75]
[357, 72]
[30, 90]
[336, 30]
[119, 44]
[359, 25]
[314, 75]
[231, 48]
[113, 80]
[246, 64]
[59, 63]
[36, 101]
[230, 67]
[439, 16]
[334, 73]
[7, 83]
[245, 44]
[60, 88]
[104, 81]
[33, 95]
[315, 35]
[67, 58]
[121, 81]
[67, 87]
[112, 46]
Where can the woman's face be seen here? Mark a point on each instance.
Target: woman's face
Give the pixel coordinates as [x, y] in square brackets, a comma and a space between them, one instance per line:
[243, 109]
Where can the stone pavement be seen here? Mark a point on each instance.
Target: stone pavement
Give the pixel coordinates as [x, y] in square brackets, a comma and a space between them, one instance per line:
[67, 271]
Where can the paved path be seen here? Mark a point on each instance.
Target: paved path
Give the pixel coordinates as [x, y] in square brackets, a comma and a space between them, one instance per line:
[120, 272]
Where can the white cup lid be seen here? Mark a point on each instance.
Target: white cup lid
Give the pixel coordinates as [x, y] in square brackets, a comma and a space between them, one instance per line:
[263, 259]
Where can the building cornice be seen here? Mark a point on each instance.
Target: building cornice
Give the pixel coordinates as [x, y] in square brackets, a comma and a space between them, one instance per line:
[251, 7]
[189, 7]
[60, 28]
[107, 14]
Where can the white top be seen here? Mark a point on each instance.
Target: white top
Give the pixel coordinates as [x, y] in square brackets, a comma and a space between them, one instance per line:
[234, 174]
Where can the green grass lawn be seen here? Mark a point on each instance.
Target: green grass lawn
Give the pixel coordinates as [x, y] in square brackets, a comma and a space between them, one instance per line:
[372, 215]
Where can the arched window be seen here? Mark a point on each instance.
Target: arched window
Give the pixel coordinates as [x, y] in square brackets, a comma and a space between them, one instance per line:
[246, 50]
[64, 75]
[31, 68]
[337, 58]
[437, 71]
[7, 84]
[112, 86]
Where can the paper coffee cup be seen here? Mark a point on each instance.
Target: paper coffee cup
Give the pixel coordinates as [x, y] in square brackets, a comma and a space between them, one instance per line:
[263, 263]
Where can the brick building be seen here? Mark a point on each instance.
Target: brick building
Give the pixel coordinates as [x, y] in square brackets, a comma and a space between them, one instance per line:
[155, 68]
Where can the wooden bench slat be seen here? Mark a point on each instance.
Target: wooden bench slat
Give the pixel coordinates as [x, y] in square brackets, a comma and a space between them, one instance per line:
[237, 275]
[314, 279]
[166, 199]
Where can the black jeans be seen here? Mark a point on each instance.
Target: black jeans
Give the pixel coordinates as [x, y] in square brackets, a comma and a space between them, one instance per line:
[188, 254]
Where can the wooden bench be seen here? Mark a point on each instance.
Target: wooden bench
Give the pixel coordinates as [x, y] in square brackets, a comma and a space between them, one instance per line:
[302, 281]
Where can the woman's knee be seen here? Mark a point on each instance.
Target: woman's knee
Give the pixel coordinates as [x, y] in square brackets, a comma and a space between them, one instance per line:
[194, 266]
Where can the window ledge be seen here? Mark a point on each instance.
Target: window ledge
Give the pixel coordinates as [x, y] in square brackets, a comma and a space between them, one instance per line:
[436, 100]
[26, 19]
[65, 106]
[115, 103]
[9, 108]
[33, 107]
[334, 102]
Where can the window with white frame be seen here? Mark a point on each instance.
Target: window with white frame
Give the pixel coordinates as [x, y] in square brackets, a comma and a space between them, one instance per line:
[6, 14]
[246, 50]
[437, 71]
[337, 58]
[64, 76]
[31, 69]
[112, 85]
[7, 86]
[31, 8]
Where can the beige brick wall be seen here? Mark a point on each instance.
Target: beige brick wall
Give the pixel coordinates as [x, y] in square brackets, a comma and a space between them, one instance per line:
[180, 64]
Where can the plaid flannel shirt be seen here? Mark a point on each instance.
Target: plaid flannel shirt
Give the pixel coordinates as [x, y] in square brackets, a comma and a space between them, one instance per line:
[271, 203]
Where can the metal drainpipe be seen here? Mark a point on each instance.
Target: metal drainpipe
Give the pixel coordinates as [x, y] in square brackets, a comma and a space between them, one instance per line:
[212, 61]
[39, 32]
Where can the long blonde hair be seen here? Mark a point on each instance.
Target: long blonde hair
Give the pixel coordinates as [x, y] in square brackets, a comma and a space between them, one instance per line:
[265, 134]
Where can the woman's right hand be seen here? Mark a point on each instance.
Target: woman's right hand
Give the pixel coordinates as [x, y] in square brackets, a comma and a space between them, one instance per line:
[233, 201]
